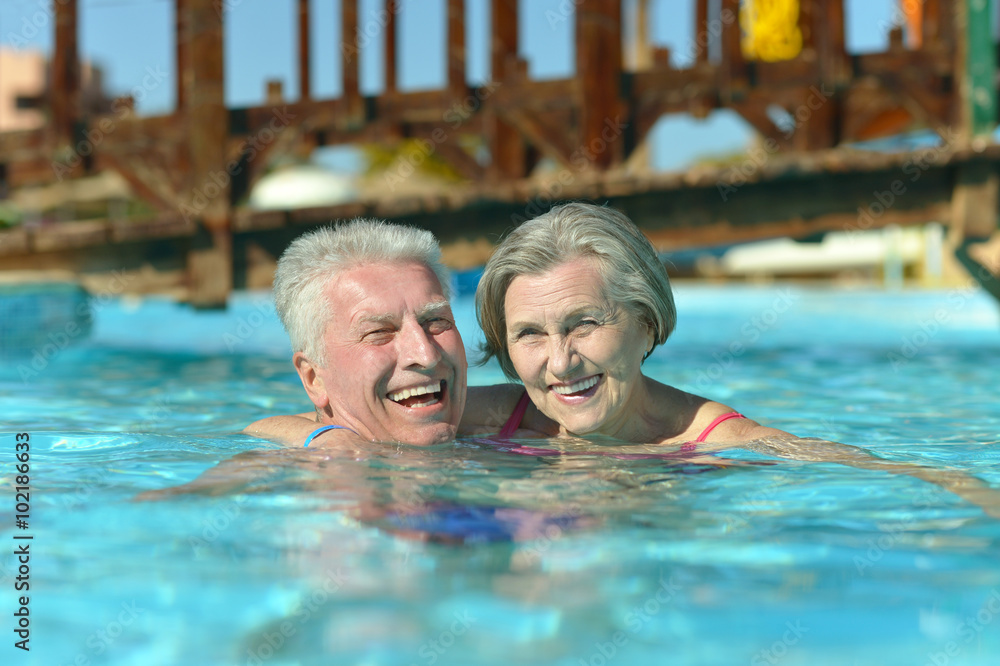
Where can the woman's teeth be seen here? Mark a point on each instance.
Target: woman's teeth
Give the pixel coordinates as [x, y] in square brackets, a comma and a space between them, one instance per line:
[576, 387]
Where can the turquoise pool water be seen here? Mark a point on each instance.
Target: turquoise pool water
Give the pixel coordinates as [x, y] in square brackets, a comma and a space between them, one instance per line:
[459, 554]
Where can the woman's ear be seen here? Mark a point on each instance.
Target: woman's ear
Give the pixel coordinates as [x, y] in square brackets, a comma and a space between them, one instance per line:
[311, 381]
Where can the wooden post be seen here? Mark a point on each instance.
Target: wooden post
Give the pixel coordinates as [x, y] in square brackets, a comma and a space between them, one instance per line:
[599, 69]
[505, 42]
[734, 66]
[210, 262]
[507, 147]
[350, 56]
[808, 13]
[643, 50]
[456, 46]
[702, 38]
[65, 93]
[180, 52]
[390, 45]
[828, 28]
[931, 24]
[305, 73]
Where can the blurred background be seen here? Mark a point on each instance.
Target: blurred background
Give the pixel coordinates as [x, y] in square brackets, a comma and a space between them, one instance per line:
[175, 147]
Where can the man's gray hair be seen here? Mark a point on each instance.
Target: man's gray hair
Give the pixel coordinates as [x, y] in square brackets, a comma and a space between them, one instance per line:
[316, 257]
[634, 277]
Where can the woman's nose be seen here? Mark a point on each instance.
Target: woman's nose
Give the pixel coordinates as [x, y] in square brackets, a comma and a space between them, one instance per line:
[562, 356]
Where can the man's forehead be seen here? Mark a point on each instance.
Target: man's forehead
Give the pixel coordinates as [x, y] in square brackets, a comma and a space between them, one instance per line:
[379, 290]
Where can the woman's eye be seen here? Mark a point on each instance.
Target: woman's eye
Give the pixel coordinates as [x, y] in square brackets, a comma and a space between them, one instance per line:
[586, 324]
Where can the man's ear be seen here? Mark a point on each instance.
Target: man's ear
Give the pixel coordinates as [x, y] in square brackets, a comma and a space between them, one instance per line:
[311, 380]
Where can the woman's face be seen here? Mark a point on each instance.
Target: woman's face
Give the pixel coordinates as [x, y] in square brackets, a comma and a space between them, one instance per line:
[577, 353]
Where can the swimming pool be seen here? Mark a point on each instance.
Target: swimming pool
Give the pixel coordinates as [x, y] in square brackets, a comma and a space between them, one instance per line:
[459, 554]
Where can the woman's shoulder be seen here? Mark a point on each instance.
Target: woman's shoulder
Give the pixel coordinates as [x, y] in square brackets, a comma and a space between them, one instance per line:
[717, 422]
[489, 407]
[695, 416]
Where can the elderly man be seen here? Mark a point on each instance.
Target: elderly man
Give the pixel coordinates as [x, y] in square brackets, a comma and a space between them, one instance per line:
[365, 304]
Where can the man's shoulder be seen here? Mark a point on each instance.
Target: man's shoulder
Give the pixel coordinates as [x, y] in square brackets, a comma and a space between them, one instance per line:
[289, 429]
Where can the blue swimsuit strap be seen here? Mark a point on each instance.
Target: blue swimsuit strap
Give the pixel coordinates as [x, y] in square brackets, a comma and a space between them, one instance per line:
[319, 431]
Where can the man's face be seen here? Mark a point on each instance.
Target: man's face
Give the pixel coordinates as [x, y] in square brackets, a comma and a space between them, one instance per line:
[395, 362]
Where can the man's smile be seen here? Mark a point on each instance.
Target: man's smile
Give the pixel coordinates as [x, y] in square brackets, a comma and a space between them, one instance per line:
[423, 395]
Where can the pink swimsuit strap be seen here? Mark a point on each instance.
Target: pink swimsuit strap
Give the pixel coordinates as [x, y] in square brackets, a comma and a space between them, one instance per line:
[717, 421]
[514, 422]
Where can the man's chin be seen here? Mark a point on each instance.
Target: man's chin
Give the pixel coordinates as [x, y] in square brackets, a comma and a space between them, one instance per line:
[433, 435]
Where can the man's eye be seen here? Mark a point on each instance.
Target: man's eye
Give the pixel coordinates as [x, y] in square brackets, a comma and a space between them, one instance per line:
[439, 325]
[378, 335]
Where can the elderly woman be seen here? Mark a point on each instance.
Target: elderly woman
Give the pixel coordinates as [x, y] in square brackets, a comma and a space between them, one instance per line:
[571, 303]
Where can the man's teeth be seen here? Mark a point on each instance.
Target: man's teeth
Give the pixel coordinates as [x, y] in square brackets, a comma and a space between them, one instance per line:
[433, 387]
[581, 385]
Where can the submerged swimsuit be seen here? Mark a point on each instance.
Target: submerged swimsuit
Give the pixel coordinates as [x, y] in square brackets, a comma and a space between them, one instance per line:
[319, 431]
[687, 448]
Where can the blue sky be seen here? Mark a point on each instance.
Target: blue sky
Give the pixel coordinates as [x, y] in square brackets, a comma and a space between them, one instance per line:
[128, 37]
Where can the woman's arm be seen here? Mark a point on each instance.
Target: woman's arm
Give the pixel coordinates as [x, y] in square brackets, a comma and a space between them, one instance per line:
[771, 441]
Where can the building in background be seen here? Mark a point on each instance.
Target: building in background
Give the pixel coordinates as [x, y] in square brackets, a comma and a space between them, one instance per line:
[24, 89]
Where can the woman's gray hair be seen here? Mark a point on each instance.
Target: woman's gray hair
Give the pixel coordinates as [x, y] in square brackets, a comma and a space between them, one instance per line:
[316, 257]
[634, 277]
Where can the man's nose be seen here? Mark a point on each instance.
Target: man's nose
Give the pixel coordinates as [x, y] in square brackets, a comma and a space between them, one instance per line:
[418, 347]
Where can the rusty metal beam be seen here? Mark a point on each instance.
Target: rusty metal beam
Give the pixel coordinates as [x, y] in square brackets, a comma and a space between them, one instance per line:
[207, 201]
[931, 24]
[555, 141]
[180, 52]
[391, 8]
[599, 67]
[504, 44]
[701, 33]
[305, 69]
[734, 66]
[456, 45]
[508, 151]
[65, 92]
[351, 56]
[828, 26]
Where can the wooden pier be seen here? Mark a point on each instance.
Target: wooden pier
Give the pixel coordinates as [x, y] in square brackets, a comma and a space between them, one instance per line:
[195, 166]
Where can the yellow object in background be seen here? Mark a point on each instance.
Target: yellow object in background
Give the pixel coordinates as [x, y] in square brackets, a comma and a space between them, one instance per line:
[770, 29]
